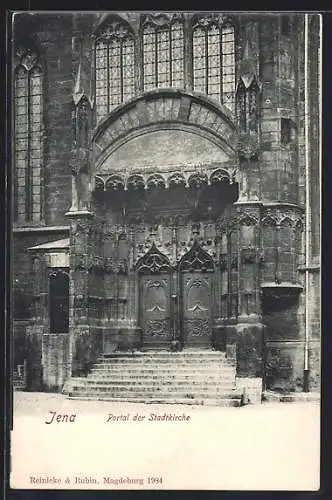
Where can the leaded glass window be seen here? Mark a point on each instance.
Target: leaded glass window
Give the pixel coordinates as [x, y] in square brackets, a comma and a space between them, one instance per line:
[115, 65]
[163, 55]
[213, 47]
[28, 127]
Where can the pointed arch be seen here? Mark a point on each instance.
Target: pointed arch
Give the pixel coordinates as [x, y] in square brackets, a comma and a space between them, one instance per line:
[114, 65]
[28, 133]
[196, 259]
[153, 262]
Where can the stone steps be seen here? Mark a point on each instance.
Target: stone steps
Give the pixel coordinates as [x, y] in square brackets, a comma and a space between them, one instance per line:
[187, 377]
[164, 352]
[223, 402]
[141, 369]
[167, 357]
[131, 376]
[92, 385]
[153, 392]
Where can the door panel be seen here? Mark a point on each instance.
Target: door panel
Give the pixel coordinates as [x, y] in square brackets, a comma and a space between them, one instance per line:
[196, 300]
[155, 310]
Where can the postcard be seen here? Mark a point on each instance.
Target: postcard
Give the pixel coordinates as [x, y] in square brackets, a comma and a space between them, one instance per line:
[166, 187]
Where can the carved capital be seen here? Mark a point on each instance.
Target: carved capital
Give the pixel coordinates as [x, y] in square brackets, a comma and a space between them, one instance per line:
[248, 146]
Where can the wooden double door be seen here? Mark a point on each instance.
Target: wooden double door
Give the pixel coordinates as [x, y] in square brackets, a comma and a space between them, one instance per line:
[182, 312]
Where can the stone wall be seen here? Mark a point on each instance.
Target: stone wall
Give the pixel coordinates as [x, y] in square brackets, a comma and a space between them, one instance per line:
[55, 361]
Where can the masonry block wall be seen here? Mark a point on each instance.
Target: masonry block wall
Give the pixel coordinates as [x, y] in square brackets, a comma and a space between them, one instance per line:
[52, 36]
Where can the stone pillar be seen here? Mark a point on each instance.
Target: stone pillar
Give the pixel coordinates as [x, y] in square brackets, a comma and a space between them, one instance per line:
[222, 292]
[80, 230]
[249, 329]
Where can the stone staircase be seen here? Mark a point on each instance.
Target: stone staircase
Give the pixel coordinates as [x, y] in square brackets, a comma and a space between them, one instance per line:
[186, 377]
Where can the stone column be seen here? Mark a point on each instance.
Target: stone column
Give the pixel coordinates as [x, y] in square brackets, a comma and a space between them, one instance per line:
[249, 329]
[79, 324]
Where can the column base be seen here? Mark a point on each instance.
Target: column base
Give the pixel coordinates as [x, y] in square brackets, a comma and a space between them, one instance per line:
[121, 338]
[249, 349]
[86, 346]
[56, 361]
[222, 335]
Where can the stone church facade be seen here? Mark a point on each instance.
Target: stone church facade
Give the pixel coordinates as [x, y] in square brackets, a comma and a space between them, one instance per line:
[166, 191]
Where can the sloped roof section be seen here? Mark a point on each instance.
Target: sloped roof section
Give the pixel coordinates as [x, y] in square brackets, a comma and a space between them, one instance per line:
[53, 245]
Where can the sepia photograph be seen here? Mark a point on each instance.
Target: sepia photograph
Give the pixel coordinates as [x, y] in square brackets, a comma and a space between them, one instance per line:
[165, 250]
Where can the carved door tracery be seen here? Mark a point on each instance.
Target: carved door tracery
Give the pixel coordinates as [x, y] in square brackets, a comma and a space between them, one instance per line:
[196, 270]
[155, 290]
[194, 311]
[155, 310]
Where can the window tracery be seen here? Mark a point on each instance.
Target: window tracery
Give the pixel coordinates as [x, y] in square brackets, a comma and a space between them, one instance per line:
[163, 52]
[213, 45]
[28, 133]
[115, 67]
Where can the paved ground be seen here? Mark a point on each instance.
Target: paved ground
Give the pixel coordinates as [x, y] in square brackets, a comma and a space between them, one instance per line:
[141, 446]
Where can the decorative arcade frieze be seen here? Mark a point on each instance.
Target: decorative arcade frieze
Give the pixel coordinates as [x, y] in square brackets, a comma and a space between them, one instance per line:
[190, 176]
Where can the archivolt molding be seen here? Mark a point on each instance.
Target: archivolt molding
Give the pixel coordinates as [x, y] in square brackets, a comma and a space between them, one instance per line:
[164, 106]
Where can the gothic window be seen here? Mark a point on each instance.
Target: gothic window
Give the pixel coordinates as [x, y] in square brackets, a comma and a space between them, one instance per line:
[115, 65]
[213, 45]
[28, 133]
[59, 302]
[163, 55]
